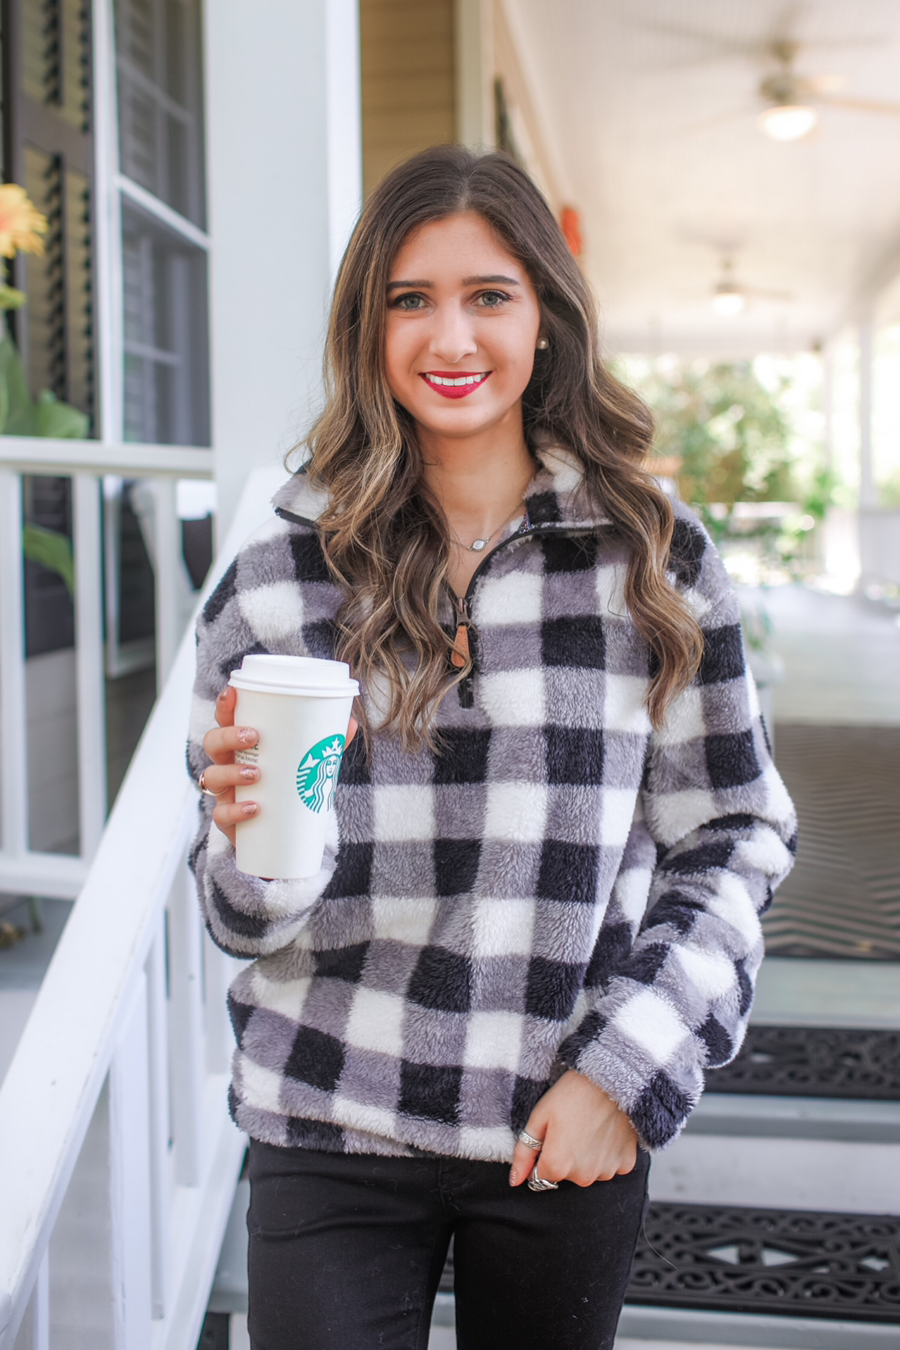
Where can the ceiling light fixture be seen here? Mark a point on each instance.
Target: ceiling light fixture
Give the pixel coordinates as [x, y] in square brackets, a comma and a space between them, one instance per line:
[728, 300]
[787, 121]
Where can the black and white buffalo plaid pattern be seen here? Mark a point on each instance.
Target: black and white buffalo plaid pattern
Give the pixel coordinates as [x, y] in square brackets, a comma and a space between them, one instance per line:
[558, 886]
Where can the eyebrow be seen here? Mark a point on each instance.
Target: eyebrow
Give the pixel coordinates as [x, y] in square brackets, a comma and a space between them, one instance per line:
[467, 281]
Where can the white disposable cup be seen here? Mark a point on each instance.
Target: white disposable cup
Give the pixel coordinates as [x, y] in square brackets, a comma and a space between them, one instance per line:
[300, 707]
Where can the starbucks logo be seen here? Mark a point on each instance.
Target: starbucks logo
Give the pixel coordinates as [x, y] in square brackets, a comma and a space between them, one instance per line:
[318, 773]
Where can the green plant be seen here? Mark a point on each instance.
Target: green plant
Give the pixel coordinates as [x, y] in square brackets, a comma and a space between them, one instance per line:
[724, 436]
[727, 431]
[889, 490]
[21, 415]
[21, 226]
[52, 550]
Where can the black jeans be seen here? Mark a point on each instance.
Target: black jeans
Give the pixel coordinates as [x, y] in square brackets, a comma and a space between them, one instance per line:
[346, 1252]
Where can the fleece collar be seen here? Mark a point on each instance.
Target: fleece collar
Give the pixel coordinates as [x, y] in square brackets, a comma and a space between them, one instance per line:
[554, 497]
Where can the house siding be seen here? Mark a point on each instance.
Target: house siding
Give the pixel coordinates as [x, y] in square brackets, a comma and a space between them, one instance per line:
[408, 98]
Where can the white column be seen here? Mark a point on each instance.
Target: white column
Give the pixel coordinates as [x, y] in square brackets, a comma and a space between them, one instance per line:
[283, 166]
[474, 56]
[344, 111]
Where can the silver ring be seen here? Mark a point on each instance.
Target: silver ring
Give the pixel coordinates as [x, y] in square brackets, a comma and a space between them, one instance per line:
[529, 1140]
[201, 783]
[536, 1183]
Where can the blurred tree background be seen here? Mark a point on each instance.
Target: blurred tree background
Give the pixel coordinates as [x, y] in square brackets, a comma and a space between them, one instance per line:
[726, 434]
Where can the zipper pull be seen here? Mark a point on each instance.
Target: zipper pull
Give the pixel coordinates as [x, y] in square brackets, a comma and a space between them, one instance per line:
[459, 657]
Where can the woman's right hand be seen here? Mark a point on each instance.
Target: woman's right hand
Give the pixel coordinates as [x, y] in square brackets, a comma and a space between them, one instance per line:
[223, 775]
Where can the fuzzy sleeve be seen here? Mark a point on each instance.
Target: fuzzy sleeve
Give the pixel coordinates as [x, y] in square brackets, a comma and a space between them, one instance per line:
[257, 607]
[724, 831]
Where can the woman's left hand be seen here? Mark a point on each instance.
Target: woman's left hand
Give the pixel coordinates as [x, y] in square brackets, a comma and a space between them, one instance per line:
[586, 1137]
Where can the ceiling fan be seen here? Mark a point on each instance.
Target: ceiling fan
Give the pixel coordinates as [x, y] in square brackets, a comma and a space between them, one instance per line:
[791, 98]
[730, 296]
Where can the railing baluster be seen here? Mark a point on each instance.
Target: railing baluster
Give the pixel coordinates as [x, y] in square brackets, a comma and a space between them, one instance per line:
[133, 1228]
[14, 759]
[169, 585]
[80, 1250]
[129, 1147]
[186, 1050]
[34, 1333]
[159, 1120]
[218, 970]
[89, 662]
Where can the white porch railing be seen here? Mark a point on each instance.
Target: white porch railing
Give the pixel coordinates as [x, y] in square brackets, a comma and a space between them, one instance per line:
[119, 1159]
[24, 869]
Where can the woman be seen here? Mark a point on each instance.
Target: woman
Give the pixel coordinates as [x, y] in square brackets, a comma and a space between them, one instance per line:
[537, 923]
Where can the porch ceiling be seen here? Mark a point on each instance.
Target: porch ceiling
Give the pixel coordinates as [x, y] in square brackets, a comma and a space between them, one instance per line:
[629, 94]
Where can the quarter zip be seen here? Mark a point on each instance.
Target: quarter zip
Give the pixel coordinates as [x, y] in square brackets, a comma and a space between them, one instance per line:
[459, 657]
[466, 638]
[463, 651]
[466, 632]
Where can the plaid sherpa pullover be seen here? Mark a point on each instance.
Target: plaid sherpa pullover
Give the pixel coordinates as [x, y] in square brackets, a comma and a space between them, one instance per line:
[559, 886]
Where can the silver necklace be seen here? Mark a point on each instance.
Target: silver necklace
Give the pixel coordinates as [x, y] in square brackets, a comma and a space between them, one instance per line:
[478, 545]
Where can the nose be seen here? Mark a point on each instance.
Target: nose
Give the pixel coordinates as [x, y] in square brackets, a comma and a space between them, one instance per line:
[452, 336]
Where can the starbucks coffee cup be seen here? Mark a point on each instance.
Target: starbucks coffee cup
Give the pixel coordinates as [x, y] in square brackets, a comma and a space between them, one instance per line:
[300, 707]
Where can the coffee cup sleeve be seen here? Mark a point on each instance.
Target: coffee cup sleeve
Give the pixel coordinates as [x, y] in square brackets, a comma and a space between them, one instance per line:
[247, 915]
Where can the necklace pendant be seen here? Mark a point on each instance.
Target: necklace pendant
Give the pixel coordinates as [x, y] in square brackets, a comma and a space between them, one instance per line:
[477, 545]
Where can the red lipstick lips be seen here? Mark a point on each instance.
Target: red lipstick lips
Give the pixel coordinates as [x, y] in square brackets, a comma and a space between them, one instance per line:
[455, 383]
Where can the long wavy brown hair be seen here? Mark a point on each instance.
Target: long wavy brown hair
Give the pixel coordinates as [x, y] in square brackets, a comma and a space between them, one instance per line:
[384, 537]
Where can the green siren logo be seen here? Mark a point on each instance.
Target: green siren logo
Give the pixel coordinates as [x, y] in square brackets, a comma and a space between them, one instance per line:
[318, 773]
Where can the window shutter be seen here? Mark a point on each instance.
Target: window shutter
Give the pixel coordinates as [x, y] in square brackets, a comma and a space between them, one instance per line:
[48, 150]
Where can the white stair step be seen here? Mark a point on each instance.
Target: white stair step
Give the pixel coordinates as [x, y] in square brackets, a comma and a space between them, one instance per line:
[684, 1329]
[836, 1118]
[801, 992]
[778, 1173]
[672, 1329]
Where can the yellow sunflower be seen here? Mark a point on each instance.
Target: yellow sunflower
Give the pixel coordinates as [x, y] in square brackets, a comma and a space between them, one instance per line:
[21, 223]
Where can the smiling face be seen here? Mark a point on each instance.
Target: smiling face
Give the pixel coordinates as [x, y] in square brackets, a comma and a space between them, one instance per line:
[463, 321]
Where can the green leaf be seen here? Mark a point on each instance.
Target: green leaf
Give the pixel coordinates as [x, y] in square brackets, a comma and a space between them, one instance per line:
[11, 298]
[20, 417]
[58, 419]
[52, 550]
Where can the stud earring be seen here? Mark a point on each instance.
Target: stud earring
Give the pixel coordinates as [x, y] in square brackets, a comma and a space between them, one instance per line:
[542, 344]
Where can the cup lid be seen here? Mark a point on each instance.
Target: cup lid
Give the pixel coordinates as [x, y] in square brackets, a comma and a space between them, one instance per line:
[294, 674]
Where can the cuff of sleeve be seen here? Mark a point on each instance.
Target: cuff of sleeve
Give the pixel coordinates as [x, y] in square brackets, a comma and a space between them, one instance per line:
[264, 913]
[656, 1104]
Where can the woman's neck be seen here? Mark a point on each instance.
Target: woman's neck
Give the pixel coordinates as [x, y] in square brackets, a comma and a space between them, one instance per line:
[478, 481]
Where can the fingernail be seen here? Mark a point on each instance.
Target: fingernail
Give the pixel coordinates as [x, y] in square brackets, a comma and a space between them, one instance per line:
[223, 695]
[513, 1178]
[250, 809]
[247, 735]
[250, 775]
